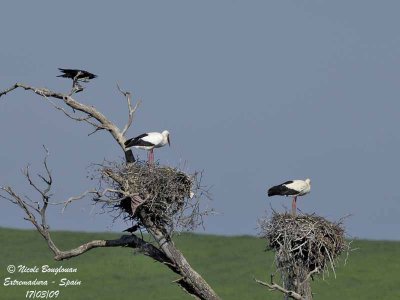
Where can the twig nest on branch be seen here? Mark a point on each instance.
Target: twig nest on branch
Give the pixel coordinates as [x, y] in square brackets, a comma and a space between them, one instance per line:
[166, 192]
[309, 241]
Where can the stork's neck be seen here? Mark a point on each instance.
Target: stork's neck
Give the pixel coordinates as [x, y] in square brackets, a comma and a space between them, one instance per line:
[165, 139]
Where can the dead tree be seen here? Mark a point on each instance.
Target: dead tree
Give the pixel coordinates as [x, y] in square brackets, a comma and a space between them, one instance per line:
[121, 193]
[305, 246]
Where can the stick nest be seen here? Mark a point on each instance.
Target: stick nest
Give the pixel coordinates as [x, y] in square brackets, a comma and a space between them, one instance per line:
[171, 197]
[307, 241]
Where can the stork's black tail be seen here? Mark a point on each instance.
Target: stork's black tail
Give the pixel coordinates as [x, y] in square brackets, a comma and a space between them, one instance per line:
[282, 190]
[275, 190]
[129, 157]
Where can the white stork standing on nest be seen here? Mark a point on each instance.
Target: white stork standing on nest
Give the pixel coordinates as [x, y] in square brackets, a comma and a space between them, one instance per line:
[149, 141]
[293, 188]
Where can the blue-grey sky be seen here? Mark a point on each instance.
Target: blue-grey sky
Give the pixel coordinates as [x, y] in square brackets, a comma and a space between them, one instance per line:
[253, 92]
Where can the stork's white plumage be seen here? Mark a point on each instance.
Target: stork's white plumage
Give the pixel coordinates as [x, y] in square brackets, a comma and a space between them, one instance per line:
[293, 188]
[149, 141]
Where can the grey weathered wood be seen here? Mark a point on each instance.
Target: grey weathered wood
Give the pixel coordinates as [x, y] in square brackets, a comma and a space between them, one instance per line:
[287, 292]
[166, 252]
[191, 281]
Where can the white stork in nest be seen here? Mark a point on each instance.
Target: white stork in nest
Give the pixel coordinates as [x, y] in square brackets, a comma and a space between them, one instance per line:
[293, 188]
[149, 141]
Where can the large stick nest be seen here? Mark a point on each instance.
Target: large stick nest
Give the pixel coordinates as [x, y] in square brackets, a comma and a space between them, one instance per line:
[306, 241]
[171, 197]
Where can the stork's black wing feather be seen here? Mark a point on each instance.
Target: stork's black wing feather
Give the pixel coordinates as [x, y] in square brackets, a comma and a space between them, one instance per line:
[140, 136]
[282, 190]
[137, 141]
[288, 182]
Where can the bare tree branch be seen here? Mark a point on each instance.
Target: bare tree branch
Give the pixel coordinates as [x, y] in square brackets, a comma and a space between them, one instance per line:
[191, 281]
[95, 130]
[6, 91]
[100, 195]
[276, 287]
[316, 270]
[165, 252]
[125, 241]
[90, 111]
[37, 216]
[74, 198]
[69, 115]
[131, 111]
[131, 241]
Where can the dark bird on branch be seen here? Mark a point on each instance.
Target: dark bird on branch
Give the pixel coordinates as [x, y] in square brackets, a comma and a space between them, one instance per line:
[77, 76]
[291, 188]
[80, 75]
[132, 229]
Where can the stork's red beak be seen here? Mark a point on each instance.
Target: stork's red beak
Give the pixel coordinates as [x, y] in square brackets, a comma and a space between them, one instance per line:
[169, 142]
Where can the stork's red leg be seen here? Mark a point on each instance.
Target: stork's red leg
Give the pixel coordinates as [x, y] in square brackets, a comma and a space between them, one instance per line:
[151, 156]
[294, 206]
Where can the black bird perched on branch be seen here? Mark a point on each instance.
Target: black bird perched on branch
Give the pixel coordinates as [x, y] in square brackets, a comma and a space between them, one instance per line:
[77, 76]
[132, 229]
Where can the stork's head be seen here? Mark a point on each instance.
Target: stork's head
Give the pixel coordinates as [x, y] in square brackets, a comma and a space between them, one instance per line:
[308, 180]
[165, 134]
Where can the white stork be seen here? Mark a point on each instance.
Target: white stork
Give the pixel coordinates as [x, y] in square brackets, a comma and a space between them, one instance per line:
[291, 188]
[149, 141]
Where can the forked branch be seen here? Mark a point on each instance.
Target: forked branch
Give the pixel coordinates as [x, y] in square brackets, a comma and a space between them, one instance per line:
[35, 212]
[163, 250]
[131, 110]
[276, 287]
[90, 114]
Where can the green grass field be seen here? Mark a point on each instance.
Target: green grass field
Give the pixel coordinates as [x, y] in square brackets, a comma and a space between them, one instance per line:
[229, 264]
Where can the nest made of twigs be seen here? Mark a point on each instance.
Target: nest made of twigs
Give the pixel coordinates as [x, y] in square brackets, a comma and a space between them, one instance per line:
[309, 241]
[170, 195]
